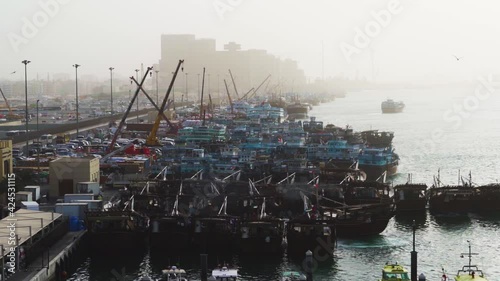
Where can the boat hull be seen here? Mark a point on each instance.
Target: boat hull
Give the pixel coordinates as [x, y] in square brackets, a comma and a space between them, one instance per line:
[411, 205]
[259, 245]
[392, 110]
[349, 228]
[318, 244]
[375, 171]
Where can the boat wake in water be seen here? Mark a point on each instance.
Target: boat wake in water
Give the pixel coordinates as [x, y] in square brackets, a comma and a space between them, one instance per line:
[376, 242]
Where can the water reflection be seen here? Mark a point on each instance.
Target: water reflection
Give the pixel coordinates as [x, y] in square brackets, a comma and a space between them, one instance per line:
[322, 266]
[451, 221]
[104, 268]
[404, 221]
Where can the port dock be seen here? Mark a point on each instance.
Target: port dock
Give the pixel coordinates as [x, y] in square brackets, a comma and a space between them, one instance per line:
[45, 247]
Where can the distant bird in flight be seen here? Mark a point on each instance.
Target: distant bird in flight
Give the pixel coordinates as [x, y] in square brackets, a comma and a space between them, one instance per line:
[12, 72]
[458, 58]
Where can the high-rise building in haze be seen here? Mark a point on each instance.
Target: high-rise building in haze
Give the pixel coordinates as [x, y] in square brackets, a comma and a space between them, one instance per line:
[249, 67]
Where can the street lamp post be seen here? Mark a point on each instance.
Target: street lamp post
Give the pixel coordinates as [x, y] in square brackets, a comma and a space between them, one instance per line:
[157, 101]
[37, 102]
[76, 91]
[187, 98]
[111, 78]
[137, 98]
[39, 148]
[25, 62]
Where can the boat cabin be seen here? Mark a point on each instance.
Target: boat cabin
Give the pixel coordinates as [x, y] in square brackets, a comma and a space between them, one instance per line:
[394, 272]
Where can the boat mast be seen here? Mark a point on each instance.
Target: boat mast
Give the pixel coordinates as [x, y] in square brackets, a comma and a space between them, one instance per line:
[470, 254]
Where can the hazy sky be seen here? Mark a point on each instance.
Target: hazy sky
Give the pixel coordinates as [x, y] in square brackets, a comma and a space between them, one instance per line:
[417, 42]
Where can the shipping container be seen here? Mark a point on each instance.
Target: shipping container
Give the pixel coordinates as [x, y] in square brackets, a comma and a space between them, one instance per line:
[35, 190]
[93, 205]
[70, 197]
[24, 196]
[30, 205]
[72, 209]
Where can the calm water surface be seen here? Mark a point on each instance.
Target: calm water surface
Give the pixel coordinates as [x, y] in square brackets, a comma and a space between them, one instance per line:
[434, 132]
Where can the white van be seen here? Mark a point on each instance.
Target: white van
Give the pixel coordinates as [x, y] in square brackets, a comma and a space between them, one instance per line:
[47, 138]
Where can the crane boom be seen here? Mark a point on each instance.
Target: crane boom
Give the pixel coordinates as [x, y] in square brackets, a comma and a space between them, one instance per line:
[211, 104]
[201, 98]
[152, 140]
[255, 92]
[229, 97]
[245, 95]
[111, 154]
[6, 102]
[124, 118]
[234, 84]
[153, 103]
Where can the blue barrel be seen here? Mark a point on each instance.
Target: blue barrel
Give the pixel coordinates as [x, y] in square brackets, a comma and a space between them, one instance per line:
[74, 223]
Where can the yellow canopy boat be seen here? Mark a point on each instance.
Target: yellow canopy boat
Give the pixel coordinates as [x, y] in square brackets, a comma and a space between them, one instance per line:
[394, 272]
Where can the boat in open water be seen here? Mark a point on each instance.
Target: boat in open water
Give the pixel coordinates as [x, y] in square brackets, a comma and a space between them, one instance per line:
[224, 274]
[469, 271]
[173, 274]
[394, 272]
[391, 106]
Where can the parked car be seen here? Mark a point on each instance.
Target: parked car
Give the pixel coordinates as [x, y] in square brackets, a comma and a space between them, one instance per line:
[16, 152]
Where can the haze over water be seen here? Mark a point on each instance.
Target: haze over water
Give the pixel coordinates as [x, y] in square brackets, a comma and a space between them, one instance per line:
[440, 239]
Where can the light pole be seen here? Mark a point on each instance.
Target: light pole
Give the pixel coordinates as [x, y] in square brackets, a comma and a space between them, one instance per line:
[39, 148]
[137, 98]
[25, 62]
[157, 101]
[76, 91]
[37, 102]
[187, 99]
[111, 78]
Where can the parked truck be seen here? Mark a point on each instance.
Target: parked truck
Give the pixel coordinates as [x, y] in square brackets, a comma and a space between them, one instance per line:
[62, 138]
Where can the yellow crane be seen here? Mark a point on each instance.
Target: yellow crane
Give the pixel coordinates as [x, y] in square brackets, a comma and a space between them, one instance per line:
[152, 140]
[10, 115]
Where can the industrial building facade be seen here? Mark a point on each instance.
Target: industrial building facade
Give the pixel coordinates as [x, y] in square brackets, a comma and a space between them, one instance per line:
[5, 158]
[66, 172]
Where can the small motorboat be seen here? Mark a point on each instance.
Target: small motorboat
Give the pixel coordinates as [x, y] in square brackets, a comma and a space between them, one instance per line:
[468, 272]
[224, 274]
[174, 274]
[394, 272]
[292, 276]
